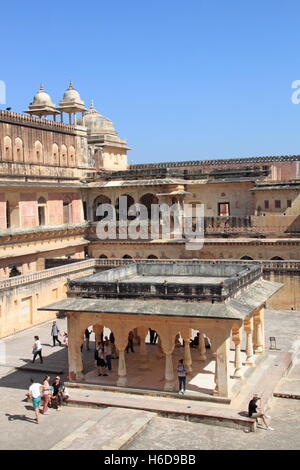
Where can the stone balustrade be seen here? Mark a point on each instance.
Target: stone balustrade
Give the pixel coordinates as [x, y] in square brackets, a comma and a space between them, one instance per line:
[267, 265]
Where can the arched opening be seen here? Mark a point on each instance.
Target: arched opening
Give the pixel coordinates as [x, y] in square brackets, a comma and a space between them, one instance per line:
[127, 257]
[102, 257]
[97, 202]
[278, 258]
[38, 149]
[55, 154]
[18, 150]
[71, 156]
[246, 257]
[63, 156]
[7, 148]
[147, 200]
[42, 211]
[152, 257]
[14, 272]
[129, 201]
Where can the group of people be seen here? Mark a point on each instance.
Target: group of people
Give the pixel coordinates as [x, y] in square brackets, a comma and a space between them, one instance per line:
[52, 395]
[103, 356]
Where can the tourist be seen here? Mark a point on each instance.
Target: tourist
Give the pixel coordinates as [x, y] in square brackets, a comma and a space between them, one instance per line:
[54, 333]
[153, 336]
[130, 342]
[100, 359]
[108, 353]
[194, 343]
[56, 395]
[64, 393]
[65, 339]
[46, 393]
[207, 342]
[114, 351]
[254, 411]
[34, 392]
[37, 349]
[87, 335]
[181, 370]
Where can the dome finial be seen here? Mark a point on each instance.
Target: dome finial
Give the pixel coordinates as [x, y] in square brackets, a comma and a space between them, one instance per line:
[42, 87]
[71, 85]
[92, 106]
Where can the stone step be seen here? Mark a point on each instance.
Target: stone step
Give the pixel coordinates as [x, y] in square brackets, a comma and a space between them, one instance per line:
[186, 410]
[112, 429]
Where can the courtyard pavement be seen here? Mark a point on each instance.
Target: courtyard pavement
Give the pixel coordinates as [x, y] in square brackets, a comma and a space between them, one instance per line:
[18, 430]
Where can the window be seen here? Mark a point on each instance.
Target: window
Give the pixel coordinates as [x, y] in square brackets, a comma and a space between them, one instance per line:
[277, 204]
[67, 211]
[42, 211]
[267, 205]
[223, 209]
[289, 203]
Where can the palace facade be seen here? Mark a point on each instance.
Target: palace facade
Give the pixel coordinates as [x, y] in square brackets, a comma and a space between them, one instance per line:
[54, 175]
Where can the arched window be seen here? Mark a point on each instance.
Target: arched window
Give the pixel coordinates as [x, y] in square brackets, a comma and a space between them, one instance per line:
[7, 148]
[147, 200]
[97, 202]
[55, 155]
[102, 257]
[14, 272]
[38, 149]
[18, 157]
[246, 257]
[72, 156]
[278, 258]
[152, 257]
[127, 257]
[42, 211]
[129, 201]
[63, 156]
[67, 210]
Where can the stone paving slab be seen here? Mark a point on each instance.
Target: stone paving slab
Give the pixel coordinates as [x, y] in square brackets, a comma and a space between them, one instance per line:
[114, 428]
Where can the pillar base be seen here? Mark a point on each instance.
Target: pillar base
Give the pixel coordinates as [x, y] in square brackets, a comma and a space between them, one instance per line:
[249, 362]
[202, 358]
[169, 386]
[259, 350]
[237, 374]
[122, 382]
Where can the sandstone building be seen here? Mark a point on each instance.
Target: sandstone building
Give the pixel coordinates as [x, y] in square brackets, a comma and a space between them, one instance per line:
[54, 175]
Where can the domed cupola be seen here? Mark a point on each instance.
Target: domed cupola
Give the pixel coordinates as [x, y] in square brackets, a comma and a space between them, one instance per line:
[42, 104]
[71, 103]
[96, 123]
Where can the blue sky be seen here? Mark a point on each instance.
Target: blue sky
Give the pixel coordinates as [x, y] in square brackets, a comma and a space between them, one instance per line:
[181, 80]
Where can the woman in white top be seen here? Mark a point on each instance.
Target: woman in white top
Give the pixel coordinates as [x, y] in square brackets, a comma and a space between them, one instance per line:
[37, 349]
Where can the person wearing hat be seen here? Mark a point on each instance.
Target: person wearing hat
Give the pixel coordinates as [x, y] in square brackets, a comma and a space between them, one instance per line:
[254, 411]
[56, 395]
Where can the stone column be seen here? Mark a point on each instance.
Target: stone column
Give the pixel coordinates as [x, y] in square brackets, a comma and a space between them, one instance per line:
[258, 326]
[236, 338]
[186, 334]
[202, 348]
[167, 343]
[142, 332]
[159, 350]
[121, 340]
[169, 373]
[74, 352]
[122, 373]
[97, 329]
[248, 326]
[221, 370]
